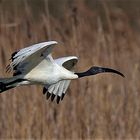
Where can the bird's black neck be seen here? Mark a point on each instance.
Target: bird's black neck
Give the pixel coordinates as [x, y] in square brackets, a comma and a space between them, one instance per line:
[97, 70]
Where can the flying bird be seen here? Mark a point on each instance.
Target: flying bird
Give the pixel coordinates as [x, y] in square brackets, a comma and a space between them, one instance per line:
[35, 65]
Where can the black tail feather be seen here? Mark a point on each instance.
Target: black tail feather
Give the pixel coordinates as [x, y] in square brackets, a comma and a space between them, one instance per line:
[9, 83]
[4, 87]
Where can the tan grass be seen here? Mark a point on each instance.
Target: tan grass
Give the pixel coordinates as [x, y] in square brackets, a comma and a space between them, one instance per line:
[100, 107]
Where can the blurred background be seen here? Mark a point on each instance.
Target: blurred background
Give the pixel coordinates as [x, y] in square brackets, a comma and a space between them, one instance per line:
[100, 32]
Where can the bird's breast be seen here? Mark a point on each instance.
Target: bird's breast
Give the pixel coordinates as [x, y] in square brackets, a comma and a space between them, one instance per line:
[43, 77]
[49, 73]
[44, 73]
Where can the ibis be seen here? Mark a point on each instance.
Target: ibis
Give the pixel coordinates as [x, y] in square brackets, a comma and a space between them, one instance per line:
[35, 65]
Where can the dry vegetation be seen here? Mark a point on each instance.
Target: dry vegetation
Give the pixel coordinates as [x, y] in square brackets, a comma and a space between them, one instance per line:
[99, 33]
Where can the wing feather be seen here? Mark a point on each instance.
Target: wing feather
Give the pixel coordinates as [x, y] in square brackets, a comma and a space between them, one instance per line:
[59, 89]
[26, 58]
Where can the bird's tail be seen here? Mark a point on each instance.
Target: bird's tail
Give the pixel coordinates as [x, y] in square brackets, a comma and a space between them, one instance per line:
[9, 83]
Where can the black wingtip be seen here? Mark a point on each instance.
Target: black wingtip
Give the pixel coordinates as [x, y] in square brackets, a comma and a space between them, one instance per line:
[58, 99]
[44, 90]
[48, 95]
[13, 54]
[52, 97]
[62, 96]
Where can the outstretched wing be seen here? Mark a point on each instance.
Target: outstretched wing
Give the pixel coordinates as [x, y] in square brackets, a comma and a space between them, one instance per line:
[59, 89]
[27, 58]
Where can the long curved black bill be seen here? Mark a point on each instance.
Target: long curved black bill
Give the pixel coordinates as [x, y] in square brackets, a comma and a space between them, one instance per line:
[96, 70]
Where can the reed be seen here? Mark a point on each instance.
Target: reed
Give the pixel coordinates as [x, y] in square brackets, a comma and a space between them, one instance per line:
[100, 107]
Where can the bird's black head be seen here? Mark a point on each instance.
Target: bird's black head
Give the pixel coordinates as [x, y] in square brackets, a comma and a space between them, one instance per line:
[96, 70]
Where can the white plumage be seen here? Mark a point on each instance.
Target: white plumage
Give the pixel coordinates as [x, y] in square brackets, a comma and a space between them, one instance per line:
[35, 65]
